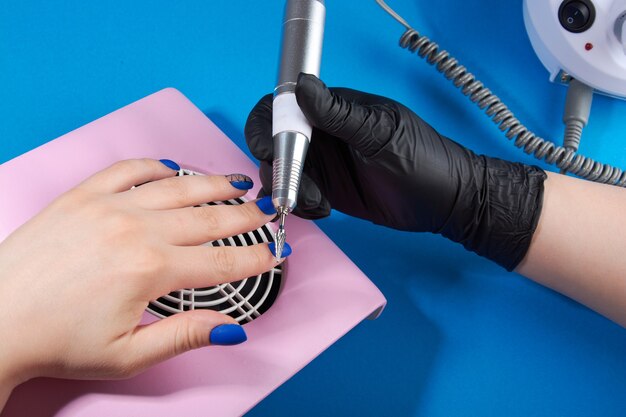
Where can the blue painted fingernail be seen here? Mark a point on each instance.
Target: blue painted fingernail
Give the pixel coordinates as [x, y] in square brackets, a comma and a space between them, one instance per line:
[227, 335]
[286, 249]
[170, 164]
[240, 181]
[266, 206]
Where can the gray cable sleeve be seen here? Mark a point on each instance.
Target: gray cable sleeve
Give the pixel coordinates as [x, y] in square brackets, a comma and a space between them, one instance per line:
[576, 113]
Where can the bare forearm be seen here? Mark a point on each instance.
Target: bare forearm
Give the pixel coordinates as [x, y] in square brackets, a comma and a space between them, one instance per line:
[578, 247]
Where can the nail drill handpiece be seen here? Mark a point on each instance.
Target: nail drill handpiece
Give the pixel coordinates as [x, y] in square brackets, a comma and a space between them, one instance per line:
[301, 51]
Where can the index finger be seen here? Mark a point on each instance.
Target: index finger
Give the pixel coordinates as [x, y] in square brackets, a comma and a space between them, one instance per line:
[258, 130]
[122, 175]
[206, 266]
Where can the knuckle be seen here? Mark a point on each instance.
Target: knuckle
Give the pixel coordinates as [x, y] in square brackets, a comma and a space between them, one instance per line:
[75, 198]
[185, 338]
[127, 167]
[250, 215]
[120, 225]
[207, 217]
[150, 262]
[224, 262]
[177, 189]
[260, 257]
[120, 220]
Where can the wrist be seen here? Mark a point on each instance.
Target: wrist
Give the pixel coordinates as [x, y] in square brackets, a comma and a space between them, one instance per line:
[498, 210]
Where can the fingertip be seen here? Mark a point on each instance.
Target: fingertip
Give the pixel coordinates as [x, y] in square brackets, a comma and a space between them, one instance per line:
[263, 194]
[240, 181]
[309, 195]
[170, 164]
[314, 213]
[312, 96]
[306, 80]
[287, 250]
[266, 206]
[266, 101]
[262, 107]
[227, 335]
[324, 208]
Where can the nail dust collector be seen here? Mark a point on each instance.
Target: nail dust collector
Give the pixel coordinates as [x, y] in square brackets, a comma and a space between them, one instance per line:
[314, 303]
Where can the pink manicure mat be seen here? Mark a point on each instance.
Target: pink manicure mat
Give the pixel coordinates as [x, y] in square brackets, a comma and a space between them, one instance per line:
[324, 294]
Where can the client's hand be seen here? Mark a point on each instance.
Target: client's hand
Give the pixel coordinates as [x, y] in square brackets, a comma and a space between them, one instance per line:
[75, 280]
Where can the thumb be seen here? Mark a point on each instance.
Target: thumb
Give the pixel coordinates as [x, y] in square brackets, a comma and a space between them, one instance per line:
[343, 113]
[166, 338]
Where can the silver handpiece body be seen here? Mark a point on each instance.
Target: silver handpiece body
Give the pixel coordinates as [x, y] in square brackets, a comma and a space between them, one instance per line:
[301, 51]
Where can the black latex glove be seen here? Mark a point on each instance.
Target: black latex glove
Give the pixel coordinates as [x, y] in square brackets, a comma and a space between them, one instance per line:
[373, 158]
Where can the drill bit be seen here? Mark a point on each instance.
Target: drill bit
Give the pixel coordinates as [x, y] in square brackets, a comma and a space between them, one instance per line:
[281, 235]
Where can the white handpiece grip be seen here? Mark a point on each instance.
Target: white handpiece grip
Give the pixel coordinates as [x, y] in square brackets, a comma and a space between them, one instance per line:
[287, 116]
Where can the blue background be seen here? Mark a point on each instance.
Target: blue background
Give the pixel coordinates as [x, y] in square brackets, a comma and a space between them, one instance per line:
[460, 336]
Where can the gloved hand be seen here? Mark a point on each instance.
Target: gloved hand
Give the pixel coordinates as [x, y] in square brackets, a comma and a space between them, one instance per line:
[373, 158]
